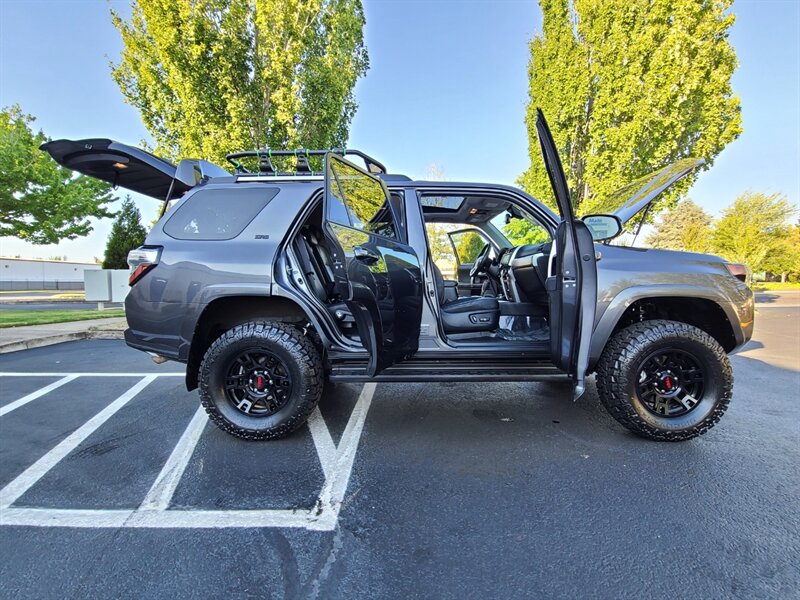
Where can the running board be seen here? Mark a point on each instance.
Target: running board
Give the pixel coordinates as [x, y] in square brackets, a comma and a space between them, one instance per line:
[451, 370]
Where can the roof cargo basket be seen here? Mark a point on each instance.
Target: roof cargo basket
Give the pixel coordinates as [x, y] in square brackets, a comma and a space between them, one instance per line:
[302, 166]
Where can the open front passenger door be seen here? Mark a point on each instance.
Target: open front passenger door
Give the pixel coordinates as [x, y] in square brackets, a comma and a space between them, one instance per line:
[572, 282]
[376, 273]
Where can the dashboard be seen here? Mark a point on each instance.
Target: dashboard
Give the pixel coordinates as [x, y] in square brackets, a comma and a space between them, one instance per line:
[522, 271]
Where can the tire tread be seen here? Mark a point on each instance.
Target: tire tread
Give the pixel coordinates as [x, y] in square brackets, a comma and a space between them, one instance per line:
[619, 354]
[296, 344]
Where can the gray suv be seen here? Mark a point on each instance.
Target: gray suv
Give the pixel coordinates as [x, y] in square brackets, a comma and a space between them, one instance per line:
[268, 282]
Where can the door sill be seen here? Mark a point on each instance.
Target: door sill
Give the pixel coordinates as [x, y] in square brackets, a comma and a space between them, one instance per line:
[421, 370]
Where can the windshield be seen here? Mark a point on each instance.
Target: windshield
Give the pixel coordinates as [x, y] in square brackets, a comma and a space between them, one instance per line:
[519, 228]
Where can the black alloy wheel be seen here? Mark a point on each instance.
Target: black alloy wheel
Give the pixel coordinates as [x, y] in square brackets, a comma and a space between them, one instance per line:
[671, 382]
[258, 383]
[261, 380]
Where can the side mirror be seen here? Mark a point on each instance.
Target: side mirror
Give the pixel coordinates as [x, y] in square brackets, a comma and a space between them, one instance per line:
[603, 227]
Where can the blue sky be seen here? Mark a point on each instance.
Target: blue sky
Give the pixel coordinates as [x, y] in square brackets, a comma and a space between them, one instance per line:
[447, 84]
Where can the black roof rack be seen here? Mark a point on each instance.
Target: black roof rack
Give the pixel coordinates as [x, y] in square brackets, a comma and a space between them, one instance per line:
[265, 155]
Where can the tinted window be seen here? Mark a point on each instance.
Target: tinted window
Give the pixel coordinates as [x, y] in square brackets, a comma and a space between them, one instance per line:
[220, 214]
[358, 200]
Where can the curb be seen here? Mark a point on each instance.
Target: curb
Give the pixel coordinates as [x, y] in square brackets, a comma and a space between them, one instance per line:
[59, 339]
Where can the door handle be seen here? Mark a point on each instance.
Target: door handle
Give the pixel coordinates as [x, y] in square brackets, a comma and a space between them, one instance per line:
[365, 255]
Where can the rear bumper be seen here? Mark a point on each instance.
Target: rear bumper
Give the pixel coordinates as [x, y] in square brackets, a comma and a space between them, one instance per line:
[141, 342]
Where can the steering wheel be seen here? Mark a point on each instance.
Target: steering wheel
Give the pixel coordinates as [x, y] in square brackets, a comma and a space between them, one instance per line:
[480, 262]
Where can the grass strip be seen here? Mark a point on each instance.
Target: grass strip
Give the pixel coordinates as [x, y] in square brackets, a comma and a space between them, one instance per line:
[18, 318]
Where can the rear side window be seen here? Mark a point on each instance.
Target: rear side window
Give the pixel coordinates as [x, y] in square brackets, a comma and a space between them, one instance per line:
[220, 214]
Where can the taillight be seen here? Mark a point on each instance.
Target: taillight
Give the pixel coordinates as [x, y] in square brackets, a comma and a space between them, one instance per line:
[141, 260]
[738, 270]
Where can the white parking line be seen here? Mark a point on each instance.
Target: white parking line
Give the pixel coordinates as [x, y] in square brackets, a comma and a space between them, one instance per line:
[16, 374]
[34, 395]
[323, 442]
[335, 486]
[160, 494]
[157, 519]
[154, 512]
[15, 489]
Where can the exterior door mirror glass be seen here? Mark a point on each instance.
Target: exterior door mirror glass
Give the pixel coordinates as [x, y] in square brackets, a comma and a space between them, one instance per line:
[603, 227]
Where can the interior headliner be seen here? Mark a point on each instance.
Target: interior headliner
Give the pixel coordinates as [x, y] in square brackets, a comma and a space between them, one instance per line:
[474, 209]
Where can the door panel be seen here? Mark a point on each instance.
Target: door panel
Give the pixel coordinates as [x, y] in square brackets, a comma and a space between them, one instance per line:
[375, 272]
[572, 288]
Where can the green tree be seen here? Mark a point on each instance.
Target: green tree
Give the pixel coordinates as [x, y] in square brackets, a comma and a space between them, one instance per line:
[753, 228]
[685, 227]
[784, 258]
[629, 86]
[468, 246]
[521, 231]
[439, 242]
[40, 201]
[127, 233]
[214, 76]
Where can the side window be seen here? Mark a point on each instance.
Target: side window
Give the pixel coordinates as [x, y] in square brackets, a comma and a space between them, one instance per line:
[441, 249]
[467, 245]
[217, 214]
[358, 200]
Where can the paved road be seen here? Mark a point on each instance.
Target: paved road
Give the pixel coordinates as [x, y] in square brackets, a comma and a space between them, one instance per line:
[56, 306]
[456, 491]
[24, 294]
[46, 300]
[62, 305]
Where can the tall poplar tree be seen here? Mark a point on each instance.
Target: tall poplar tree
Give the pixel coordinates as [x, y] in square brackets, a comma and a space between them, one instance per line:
[211, 77]
[629, 86]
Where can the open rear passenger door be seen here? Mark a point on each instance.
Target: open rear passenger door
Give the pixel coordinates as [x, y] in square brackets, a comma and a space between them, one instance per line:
[376, 273]
[572, 282]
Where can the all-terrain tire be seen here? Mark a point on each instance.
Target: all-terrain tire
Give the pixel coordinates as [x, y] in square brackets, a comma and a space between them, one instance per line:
[620, 365]
[298, 354]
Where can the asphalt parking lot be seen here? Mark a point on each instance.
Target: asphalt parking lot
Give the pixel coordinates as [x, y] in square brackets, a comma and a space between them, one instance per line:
[114, 485]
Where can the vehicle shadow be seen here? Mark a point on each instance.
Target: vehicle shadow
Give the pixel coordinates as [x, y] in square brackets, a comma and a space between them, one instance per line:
[766, 297]
[504, 414]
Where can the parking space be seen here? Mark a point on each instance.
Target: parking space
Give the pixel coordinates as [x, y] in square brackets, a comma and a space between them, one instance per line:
[113, 483]
[134, 449]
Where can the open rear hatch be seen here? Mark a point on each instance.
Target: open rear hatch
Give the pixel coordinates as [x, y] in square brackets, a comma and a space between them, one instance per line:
[120, 165]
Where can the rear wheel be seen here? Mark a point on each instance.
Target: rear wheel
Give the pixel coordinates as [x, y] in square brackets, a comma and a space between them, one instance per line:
[260, 380]
[665, 380]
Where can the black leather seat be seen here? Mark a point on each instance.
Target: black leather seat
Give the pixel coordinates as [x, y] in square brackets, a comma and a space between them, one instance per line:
[465, 315]
[317, 266]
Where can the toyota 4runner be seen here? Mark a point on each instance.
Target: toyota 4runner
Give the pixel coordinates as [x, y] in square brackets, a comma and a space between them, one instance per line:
[268, 283]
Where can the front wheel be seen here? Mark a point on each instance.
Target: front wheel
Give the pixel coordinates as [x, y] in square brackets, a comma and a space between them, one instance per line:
[261, 380]
[665, 380]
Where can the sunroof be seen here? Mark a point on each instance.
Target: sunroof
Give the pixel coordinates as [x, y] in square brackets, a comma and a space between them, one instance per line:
[442, 202]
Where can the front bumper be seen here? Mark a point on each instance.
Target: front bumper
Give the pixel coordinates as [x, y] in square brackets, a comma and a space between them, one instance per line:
[743, 325]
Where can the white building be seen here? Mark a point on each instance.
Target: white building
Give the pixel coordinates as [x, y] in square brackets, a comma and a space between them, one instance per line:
[32, 274]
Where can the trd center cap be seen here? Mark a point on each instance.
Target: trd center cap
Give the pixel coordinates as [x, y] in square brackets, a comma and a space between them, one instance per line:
[259, 381]
[667, 383]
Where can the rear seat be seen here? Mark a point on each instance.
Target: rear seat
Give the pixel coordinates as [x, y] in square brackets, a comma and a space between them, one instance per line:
[318, 270]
